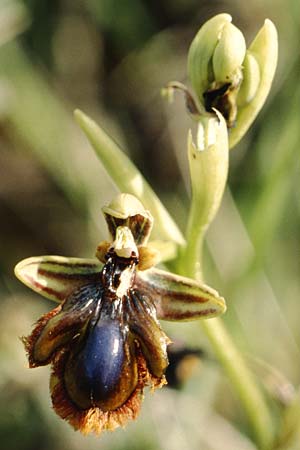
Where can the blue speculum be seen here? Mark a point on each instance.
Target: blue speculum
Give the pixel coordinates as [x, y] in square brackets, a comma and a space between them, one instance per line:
[95, 373]
[101, 360]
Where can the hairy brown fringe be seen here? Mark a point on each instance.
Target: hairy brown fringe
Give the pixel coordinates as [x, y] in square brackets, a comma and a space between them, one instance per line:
[30, 341]
[94, 420]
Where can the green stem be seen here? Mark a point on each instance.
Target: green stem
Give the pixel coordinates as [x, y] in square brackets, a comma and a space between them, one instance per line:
[190, 265]
[190, 256]
[242, 380]
[224, 346]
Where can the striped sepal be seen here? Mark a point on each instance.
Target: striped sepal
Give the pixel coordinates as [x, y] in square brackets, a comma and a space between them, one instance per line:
[55, 277]
[179, 298]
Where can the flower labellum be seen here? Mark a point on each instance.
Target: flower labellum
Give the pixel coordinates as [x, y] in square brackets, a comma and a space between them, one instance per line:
[103, 340]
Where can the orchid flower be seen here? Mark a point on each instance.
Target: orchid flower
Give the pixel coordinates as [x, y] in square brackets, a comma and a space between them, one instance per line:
[104, 340]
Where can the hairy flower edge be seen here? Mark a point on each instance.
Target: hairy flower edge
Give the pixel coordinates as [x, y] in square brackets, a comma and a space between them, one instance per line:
[94, 420]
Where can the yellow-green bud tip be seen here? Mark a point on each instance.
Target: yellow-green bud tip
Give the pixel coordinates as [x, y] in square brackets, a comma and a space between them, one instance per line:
[229, 55]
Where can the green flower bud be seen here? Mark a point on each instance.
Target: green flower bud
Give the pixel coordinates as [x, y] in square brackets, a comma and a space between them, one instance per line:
[201, 52]
[251, 80]
[228, 78]
[215, 65]
[229, 55]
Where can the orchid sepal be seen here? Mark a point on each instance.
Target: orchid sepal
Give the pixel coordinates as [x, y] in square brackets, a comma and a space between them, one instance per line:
[55, 277]
[179, 298]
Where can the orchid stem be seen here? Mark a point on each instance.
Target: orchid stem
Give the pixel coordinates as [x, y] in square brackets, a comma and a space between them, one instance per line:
[225, 349]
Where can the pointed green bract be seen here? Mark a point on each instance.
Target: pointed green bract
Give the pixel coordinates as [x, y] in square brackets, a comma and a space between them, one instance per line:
[128, 178]
[264, 49]
[179, 298]
[208, 160]
[55, 277]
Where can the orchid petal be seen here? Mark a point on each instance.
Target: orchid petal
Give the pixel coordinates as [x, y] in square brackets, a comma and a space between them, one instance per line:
[56, 277]
[144, 325]
[179, 298]
[62, 325]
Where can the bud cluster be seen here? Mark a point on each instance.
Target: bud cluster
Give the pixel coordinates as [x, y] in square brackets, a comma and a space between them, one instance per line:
[229, 77]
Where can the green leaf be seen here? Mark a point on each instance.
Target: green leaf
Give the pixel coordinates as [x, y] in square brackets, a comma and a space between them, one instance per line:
[128, 178]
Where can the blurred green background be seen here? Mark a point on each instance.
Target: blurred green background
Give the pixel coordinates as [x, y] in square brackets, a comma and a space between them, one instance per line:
[110, 59]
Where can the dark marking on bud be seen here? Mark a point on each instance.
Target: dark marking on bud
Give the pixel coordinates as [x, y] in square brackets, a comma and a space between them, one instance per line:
[222, 98]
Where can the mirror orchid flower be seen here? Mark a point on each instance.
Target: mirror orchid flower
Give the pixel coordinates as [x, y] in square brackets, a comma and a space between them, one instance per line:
[104, 340]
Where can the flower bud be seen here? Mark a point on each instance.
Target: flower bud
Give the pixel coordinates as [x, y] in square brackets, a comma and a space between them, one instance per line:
[201, 52]
[251, 80]
[215, 65]
[229, 55]
[228, 78]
